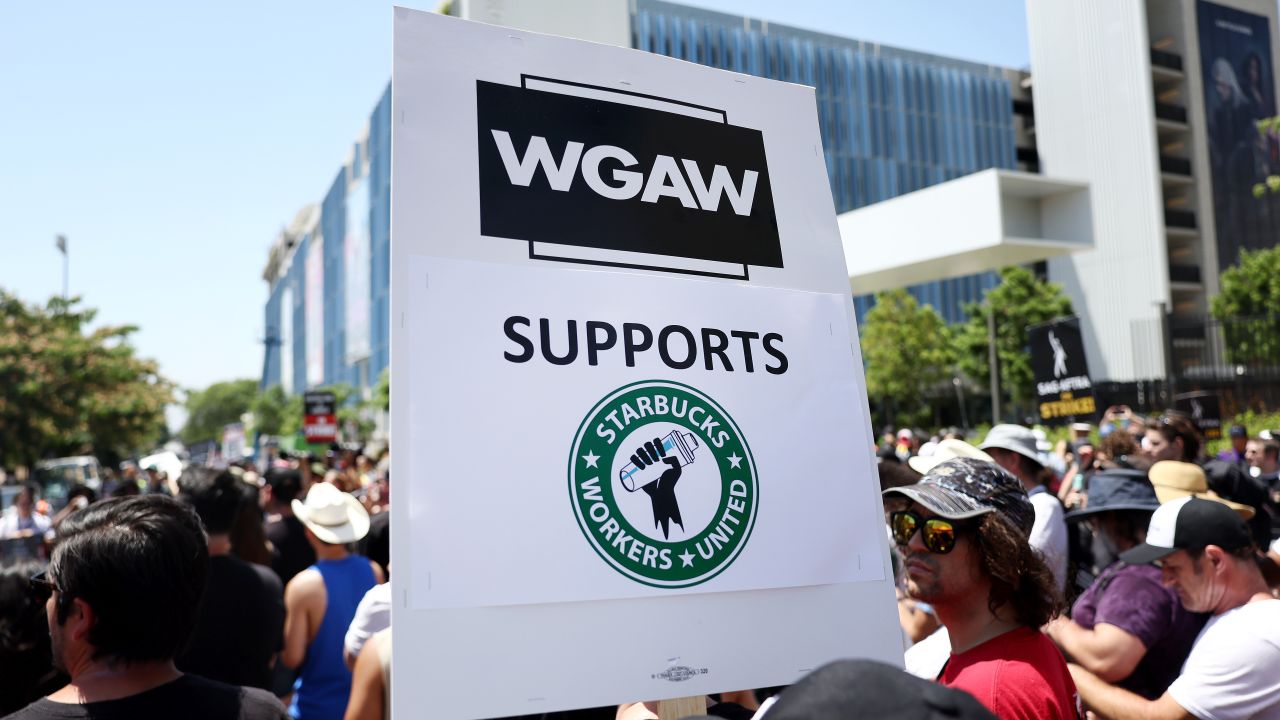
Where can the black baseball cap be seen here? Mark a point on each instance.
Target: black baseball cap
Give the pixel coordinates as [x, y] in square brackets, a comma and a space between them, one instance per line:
[1190, 523]
[967, 488]
[1238, 431]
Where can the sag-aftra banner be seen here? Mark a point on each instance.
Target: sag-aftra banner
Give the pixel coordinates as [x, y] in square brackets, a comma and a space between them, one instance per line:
[631, 457]
[1063, 390]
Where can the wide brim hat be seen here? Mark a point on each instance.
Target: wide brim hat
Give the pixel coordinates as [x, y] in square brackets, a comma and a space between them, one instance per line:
[1013, 438]
[1118, 489]
[1174, 480]
[964, 488]
[945, 450]
[335, 517]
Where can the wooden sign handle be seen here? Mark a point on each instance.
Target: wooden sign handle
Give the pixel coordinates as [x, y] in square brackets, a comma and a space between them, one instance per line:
[677, 708]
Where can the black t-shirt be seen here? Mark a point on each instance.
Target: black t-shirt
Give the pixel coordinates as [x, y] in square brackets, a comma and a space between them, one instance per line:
[240, 626]
[376, 545]
[293, 553]
[189, 697]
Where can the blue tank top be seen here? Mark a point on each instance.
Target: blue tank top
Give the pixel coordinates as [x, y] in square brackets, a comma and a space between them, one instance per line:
[324, 682]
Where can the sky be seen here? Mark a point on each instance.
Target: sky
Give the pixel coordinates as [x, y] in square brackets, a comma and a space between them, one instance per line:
[170, 143]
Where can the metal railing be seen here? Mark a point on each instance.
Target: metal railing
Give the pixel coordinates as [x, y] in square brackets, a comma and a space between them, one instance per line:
[1166, 59]
[1180, 219]
[1175, 165]
[1171, 112]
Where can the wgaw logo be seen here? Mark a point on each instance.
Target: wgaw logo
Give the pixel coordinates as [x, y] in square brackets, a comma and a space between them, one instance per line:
[663, 484]
[597, 175]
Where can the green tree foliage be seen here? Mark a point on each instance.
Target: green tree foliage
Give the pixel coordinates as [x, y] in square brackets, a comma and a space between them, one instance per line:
[1248, 305]
[382, 392]
[218, 405]
[907, 349]
[66, 389]
[1018, 301]
[275, 413]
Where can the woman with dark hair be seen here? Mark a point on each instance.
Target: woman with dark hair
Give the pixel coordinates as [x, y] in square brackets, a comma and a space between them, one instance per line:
[1127, 627]
[26, 660]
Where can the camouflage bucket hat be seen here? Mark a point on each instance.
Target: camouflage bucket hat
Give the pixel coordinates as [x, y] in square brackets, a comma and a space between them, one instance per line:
[967, 488]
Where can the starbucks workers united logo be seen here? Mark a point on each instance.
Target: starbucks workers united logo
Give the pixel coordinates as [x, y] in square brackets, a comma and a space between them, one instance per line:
[663, 484]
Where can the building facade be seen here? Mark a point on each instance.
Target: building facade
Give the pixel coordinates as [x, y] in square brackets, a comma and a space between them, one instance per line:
[1153, 103]
[892, 121]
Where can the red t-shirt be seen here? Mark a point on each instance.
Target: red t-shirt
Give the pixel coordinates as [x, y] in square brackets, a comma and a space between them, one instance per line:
[1019, 675]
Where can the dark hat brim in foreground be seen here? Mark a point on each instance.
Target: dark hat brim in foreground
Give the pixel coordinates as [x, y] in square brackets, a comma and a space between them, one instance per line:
[1144, 554]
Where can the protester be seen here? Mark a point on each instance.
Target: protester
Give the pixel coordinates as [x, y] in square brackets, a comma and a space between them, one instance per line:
[1263, 457]
[117, 642]
[373, 615]
[1174, 437]
[321, 601]
[291, 552]
[239, 628]
[964, 539]
[371, 680]
[22, 519]
[1013, 448]
[1239, 442]
[1206, 554]
[1127, 628]
[26, 657]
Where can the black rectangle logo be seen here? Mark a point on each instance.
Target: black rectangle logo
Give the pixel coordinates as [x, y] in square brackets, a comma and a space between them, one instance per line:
[632, 180]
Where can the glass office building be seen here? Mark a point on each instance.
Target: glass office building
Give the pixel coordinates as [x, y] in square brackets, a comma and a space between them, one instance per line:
[892, 121]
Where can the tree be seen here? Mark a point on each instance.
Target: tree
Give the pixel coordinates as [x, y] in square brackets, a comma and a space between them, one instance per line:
[1247, 305]
[907, 349]
[70, 390]
[382, 391]
[218, 405]
[275, 412]
[1018, 301]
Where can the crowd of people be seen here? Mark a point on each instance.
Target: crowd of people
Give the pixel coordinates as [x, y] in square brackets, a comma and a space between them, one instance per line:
[226, 593]
[1122, 574]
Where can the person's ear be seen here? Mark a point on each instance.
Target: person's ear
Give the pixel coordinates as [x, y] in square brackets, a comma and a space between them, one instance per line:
[81, 619]
[1216, 556]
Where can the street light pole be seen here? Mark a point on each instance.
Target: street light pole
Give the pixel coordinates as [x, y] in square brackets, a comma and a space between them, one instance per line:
[964, 416]
[993, 360]
[61, 242]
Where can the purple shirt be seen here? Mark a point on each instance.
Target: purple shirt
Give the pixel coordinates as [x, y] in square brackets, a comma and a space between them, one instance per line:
[1132, 598]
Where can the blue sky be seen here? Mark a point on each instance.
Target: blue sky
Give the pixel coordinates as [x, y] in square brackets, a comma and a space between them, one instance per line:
[170, 142]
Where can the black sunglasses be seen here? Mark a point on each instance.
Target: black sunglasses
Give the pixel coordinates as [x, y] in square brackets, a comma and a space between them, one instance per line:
[41, 586]
[938, 534]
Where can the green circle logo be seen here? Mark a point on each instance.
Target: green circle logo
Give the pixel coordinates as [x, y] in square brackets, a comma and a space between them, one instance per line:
[663, 484]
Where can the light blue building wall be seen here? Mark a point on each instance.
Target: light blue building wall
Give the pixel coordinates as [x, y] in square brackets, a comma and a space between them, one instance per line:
[892, 121]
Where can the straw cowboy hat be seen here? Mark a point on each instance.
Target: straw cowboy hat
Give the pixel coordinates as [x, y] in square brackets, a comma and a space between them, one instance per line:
[1173, 479]
[333, 516]
[945, 450]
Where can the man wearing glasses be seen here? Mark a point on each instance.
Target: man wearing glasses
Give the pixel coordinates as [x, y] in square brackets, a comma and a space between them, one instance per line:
[963, 535]
[121, 595]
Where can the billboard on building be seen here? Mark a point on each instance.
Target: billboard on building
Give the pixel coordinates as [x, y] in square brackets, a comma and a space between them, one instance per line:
[1239, 90]
[626, 379]
[286, 339]
[313, 314]
[1063, 389]
[357, 272]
